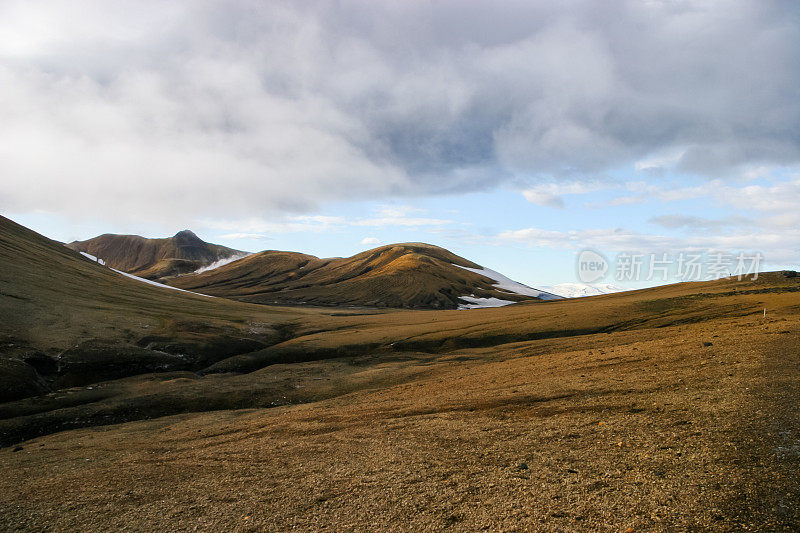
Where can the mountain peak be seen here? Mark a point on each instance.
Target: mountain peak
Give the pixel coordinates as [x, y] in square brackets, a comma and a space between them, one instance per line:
[186, 234]
[155, 258]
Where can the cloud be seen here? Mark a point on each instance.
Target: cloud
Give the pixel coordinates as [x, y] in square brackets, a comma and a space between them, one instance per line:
[765, 219]
[236, 236]
[253, 227]
[664, 191]
[200, 109]
[655, 163]
[399, 216]
[551, 194]
[386, 216]
[779, 246]
[371, 241]
[700, 223]
[616, 239]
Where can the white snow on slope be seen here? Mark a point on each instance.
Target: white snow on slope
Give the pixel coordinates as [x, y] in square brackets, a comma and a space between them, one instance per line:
[480, 303]
[137, 278]
[93, 258]
[580, 290]
[508, 285]
[220, 262]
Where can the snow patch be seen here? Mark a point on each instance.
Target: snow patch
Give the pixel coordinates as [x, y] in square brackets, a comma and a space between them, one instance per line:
[220, 262]
[509, 285]
[581, 290]
[480, 303]
[149, 282]
[93, 258]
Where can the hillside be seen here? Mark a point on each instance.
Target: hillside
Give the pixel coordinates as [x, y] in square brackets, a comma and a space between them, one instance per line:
[66, 319]
[411, 275]
[156, 258]
[671, 408]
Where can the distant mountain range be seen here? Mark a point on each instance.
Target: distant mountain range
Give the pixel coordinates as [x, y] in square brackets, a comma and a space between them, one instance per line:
[410, 275]
[579, 290]
[156, 259]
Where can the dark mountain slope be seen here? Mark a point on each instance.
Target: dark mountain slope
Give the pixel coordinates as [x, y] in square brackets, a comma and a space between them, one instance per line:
[68, 318]
[155, 258]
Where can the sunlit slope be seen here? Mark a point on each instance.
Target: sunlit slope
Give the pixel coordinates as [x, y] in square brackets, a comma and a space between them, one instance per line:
[445, 331]
[412, 275]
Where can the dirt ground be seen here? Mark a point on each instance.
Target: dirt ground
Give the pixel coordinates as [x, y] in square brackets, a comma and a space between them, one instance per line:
[688, 427]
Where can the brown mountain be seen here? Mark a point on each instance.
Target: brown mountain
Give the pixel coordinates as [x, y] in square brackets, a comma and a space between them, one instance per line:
[155, 258]
[411, 275]
[65, 319]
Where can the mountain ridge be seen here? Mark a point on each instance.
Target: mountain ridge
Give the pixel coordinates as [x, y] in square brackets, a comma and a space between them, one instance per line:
[155, 259]
[405, 275]
[412, 275]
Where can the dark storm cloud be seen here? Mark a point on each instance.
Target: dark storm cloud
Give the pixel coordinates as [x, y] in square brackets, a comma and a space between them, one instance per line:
[250, 106]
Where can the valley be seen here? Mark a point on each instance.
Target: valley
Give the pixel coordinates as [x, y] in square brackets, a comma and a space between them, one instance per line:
[676, 407]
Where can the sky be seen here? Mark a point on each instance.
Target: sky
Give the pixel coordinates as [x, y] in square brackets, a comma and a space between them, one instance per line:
[516, 134]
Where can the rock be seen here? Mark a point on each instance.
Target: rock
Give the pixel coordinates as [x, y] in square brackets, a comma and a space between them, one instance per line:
[42, 363]
[98, 360]
[207, 349]
[19, 380]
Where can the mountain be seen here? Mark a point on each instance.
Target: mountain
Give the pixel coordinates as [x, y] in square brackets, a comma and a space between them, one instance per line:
[579, 290]
[411, 275]
[156, 258]
[65, 319]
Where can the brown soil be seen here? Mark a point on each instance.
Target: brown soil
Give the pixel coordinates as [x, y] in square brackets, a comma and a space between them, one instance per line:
[648, 429]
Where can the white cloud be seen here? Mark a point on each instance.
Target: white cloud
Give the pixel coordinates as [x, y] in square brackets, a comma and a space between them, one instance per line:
[402, 221]
[237, 236]
[386, 216]
[764, 218]
[371, 241]
[198, 110]
[779, 246]
[551, 194]
[660, 161]
[258, 226]
[695, 223]
[399, 216]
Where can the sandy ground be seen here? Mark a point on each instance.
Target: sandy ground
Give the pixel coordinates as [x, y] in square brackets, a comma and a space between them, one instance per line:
[691, 427]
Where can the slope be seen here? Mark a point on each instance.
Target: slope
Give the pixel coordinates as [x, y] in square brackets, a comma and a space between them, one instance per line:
[155, 258]
[673, 408]
[411, 275]
[65, 319]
